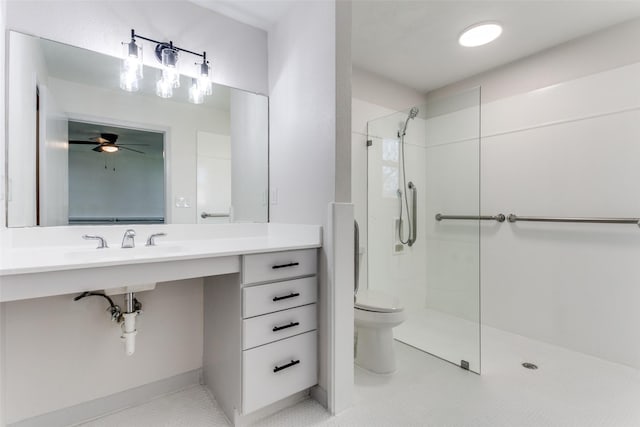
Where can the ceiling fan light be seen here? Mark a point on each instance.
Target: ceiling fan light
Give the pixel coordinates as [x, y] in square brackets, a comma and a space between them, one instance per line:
[109, 148]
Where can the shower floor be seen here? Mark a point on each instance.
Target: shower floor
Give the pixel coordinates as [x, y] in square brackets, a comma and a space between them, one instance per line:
[568, 389]
[449, 337]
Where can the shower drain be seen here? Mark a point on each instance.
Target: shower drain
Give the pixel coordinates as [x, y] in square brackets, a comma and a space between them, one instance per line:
[529, 365]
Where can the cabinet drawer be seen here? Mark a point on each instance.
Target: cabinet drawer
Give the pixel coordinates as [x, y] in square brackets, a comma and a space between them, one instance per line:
[279, 325]
[275, 371]
[272, 297]
[278, 265]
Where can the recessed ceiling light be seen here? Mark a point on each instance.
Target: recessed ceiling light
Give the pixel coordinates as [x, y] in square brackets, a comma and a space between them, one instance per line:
[479, 34]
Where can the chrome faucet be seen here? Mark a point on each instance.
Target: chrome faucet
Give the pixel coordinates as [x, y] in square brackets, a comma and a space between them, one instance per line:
[151, 240]
[127, 239]
[102, 244]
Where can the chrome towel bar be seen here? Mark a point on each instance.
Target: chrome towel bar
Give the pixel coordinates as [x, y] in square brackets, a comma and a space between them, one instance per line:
[516, 218]
[214, 215]
[499, 217]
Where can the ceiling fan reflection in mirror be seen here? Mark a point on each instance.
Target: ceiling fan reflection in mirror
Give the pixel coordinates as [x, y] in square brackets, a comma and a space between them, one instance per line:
[106, 143]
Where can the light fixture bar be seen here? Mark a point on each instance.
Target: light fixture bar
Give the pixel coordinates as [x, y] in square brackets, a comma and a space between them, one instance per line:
[167, 54]
[134, 36]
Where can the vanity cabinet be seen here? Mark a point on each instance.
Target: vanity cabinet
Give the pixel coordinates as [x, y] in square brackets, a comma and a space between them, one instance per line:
[261, 331]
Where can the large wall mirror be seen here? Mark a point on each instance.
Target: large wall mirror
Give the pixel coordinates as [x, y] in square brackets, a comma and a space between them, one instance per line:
[83, 151]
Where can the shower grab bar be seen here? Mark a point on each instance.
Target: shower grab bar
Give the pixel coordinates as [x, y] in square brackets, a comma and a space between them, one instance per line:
[356, 258]
[516, 218]
[499, 217]
[414, 213]
[214, 215]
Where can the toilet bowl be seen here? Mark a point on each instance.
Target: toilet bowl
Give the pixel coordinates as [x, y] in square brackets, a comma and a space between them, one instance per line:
[376, 313]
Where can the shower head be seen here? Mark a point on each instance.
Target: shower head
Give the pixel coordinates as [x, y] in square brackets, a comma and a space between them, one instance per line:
[412, 115]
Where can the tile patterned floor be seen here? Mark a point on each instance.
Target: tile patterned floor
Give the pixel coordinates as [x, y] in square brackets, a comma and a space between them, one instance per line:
[569, 389]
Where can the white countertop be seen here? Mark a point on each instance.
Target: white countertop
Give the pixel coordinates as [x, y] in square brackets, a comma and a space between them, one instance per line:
[32, 255]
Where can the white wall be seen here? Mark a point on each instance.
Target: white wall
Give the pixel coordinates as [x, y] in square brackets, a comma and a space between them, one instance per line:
[302, 129]
[3, 15]
[29, 71]
[239, 54]
[249, 153]
[304, 140]
[54, 161]
[568, 149]
[60, 352]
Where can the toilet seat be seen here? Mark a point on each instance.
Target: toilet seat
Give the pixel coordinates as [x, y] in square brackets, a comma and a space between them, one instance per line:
[378, 302]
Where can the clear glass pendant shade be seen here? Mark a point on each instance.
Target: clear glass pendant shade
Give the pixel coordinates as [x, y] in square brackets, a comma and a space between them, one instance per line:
[170, 73]
[131, 67]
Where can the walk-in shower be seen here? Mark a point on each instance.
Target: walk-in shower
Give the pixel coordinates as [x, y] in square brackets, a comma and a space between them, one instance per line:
[435, 148]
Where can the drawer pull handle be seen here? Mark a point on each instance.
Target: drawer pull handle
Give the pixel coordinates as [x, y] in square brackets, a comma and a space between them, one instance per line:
[291, 295]
[288, 365]
[290, 325]
[291, 264]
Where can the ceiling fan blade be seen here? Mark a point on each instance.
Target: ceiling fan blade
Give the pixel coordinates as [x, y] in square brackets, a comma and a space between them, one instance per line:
[130, 149]
[146, 145]
[99, 139]
[97, 149]
[84, 142]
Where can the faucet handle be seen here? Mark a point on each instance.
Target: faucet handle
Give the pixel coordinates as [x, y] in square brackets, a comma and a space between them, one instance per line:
[101, 245]
[151, 240]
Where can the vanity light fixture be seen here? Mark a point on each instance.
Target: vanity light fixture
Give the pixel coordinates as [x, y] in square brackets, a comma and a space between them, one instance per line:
[480, 34]
[168, 55]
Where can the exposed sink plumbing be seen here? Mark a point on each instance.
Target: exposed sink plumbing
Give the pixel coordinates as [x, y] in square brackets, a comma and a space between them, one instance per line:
[127, 320]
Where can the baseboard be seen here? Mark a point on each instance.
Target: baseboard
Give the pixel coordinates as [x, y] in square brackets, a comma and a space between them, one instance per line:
[247, 420]
[320, 395]
[97, 408]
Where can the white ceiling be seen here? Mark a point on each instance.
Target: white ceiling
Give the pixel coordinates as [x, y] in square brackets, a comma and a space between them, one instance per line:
[257, 13]
[415, 43]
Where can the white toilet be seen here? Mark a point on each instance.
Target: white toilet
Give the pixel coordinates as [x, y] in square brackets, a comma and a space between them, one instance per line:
[376, 313]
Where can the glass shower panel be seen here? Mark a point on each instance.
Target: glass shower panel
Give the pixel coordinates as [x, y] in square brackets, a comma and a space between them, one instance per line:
[437, 277]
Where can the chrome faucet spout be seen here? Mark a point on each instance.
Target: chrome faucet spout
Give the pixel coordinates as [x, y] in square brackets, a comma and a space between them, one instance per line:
[128, 239]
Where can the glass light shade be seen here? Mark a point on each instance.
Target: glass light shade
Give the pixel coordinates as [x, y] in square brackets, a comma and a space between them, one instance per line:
[109, 148]
[131, 67]
[170, 73]
[164, 88]
[480, 34]
[204, 79]
[196, 95]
